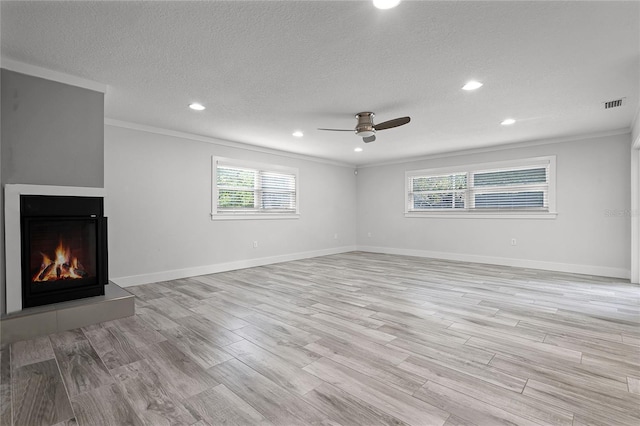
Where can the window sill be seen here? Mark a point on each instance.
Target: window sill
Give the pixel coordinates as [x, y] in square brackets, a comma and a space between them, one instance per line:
[239, 216]
[483, 215]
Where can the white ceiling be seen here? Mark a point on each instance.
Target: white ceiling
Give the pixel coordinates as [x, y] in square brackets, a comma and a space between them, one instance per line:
[264, 69]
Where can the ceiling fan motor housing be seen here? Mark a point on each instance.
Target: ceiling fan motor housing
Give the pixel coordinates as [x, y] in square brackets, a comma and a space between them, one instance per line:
[365, 124]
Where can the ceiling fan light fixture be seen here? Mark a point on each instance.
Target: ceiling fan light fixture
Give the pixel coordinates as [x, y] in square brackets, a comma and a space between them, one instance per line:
[386, 4]
[472, 85]
[508, 122]
[367, 130]
[298, 134]
[196, 106]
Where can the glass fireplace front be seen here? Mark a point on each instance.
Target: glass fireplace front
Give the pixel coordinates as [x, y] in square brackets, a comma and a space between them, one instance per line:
[64, 256]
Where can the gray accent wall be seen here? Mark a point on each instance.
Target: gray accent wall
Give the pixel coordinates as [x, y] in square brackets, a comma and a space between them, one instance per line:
[52, 133]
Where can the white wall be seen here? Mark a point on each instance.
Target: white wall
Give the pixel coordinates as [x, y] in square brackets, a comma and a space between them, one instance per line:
[159, 199]
[159, 195]
[635, 214]
[592, 178]
[635, 199]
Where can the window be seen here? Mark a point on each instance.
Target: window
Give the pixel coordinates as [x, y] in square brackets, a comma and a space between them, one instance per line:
[438, 192]
[244, 190]
[505, 189]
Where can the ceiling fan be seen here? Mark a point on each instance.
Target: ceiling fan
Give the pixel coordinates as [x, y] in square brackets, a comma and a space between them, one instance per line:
[367, 130]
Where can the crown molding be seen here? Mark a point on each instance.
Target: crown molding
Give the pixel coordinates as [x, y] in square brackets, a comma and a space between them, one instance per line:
[239, 145]
[47, 74]
[501, 147]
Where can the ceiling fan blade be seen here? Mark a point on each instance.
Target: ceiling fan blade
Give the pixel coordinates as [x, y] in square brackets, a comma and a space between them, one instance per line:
[339, 130]
[392, 123]
[368, 139]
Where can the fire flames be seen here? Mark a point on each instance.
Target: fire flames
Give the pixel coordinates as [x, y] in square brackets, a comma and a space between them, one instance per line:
[62, 267]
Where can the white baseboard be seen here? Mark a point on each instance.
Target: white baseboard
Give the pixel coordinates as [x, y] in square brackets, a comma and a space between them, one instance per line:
[603, 271]
[222, 267]
[174, 274]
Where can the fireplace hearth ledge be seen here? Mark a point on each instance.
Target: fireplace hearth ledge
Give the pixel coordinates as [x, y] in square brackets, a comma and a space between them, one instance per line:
[43, 320]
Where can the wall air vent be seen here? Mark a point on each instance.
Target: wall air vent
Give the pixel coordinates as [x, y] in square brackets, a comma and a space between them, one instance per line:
[614, 103]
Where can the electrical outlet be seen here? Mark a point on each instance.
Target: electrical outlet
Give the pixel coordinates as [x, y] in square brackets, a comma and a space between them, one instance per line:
[255, 244]
[369, 234]
[335, 236]
[513, 241]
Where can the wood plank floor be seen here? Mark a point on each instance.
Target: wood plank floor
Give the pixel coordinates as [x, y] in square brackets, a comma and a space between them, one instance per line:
[350, 339]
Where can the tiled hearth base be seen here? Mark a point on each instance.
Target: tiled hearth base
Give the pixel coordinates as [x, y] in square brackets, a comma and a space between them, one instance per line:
[42, 320]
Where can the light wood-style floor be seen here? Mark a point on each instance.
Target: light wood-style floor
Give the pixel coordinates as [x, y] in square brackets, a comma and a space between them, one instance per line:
[349, 339]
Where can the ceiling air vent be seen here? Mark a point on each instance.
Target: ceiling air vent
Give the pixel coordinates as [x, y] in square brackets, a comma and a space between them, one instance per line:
[613, 104]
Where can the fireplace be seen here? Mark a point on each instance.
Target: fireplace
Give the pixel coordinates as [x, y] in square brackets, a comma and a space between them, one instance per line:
[64, 248]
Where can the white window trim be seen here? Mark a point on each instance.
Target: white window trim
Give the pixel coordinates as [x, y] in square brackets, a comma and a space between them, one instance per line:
[243, 215]
[487, 214]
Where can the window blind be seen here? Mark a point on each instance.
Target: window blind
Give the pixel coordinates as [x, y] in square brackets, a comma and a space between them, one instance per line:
[524, 188]
[438, 192]
[521, 185]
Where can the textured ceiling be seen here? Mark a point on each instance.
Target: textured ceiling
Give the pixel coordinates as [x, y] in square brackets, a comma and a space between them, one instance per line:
[267, 68]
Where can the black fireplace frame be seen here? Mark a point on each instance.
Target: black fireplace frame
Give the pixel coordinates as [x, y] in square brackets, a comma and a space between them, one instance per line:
[39, 208]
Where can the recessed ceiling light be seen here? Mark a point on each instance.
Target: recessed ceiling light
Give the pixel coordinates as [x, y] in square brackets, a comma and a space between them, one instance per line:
[298, 134]
[508, 122]
[386, 4]
[358, 149]
[472, 85]
[196, 106]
